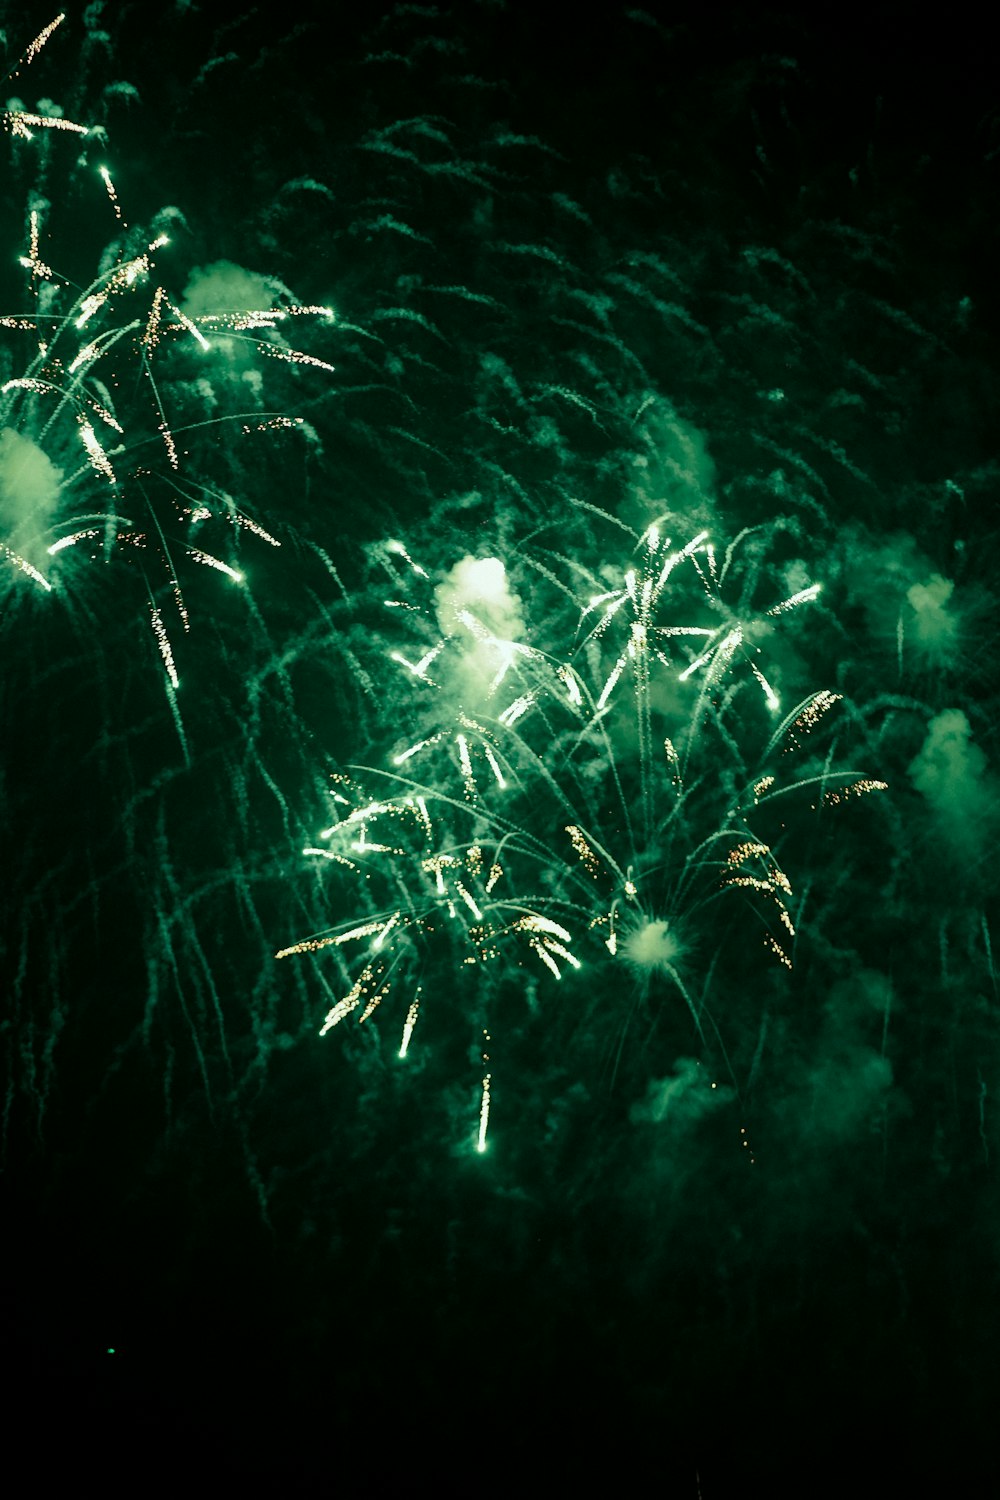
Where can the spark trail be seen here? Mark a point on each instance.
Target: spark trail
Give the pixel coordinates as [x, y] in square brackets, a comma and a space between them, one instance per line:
[527, 816]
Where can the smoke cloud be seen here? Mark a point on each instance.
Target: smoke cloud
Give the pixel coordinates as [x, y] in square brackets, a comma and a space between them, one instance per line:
[474, 602]
[950, 772]
[225, 287]
[29, 495]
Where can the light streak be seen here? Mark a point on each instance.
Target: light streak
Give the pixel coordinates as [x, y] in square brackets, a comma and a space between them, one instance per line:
[96, 453]
[42, 37]
[115, 204]
[409, 1024]
[33, 261]
[860, 788]
[26, 567]
[209, 561]
[18, 121]
[484, 1104]
[163, 641]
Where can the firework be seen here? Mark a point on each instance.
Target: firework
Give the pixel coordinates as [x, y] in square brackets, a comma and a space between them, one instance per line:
[574, 793]
[118, 431]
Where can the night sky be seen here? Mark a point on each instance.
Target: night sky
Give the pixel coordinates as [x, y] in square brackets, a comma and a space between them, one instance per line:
[498, 550]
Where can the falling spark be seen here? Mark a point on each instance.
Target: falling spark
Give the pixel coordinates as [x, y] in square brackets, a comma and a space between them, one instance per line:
[25, 567]
[18, 121]
[409, 1023]
[115, 204]
[163, 641]
[214, 562]
[860, 788]
[96, 453]
[42, 37]
[484, 1107]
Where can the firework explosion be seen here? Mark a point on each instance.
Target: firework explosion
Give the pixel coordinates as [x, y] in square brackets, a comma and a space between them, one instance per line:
[122, 439]
[541, 818]
[506, 663]
[116, 407]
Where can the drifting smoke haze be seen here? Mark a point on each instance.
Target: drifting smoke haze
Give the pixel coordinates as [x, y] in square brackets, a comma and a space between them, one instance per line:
[29, 493]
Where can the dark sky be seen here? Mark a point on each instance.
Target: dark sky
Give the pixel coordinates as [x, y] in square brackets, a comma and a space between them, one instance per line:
[728, 273]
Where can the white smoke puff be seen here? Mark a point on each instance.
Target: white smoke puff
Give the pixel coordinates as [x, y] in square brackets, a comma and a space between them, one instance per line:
[653, 951]
[225, 290]
[478, 586]
[933, 629]
[652, 947]
[950, 772]
[29, 495]
[225, 287]
[912, 610]
[254, 380]
[475, 606]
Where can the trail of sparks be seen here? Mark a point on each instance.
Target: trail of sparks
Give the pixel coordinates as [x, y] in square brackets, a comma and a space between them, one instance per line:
[63, 383]
[594, 888]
